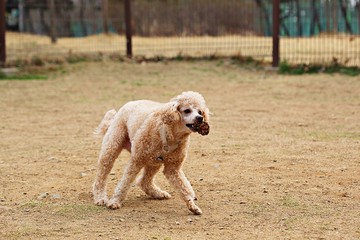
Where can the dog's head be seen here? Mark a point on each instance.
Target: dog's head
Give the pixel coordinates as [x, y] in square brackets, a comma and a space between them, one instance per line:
[188, 110]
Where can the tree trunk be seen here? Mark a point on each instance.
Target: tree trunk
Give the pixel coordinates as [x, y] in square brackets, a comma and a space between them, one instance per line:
[268, 29]
[298, 16]
[343, 6]
[315, 19]
[335, 20]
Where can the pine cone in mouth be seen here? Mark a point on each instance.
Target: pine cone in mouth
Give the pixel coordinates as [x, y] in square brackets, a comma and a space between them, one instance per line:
[202, 128]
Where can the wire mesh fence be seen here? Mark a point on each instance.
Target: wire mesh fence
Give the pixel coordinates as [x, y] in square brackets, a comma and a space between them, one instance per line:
[320, 31]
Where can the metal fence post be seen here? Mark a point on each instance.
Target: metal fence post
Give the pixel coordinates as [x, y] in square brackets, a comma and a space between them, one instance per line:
[21, 16]
[105, 14]
[53, 34]
[127, 8]
[276, 33]
[2, 33]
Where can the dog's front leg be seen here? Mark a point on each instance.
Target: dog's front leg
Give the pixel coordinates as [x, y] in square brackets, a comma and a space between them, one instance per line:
[178, 179]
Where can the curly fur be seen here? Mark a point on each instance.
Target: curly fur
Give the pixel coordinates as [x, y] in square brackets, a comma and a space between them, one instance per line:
[156, 134]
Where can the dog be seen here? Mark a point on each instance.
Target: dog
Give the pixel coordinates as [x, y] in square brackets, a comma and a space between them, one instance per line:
[156, 135]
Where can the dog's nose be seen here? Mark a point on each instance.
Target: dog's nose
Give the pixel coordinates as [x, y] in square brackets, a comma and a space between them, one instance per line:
[199, 119]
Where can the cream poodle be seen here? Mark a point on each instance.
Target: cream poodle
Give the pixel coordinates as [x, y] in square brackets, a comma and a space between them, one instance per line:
[156, 135]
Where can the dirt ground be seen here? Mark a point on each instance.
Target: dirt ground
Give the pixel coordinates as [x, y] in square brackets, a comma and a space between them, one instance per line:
[281, 160]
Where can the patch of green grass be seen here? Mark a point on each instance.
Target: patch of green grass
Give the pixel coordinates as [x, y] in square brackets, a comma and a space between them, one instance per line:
[286, 68]
[319, 135]
[32, 72]
[350, 71]
[2, 75]
[243, 59]
[32, 204]
[152, 82]
[139, 83]
[25, 77]
[78, 211]
[257, 210]
[329, 136]
[179, 57]
[289, 201]
[22, 232]
[351, 135]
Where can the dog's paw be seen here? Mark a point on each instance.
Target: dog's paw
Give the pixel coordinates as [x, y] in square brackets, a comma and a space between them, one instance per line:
[100, 202]
[113, 204]
[193, 208]
[100, 199]
[161, 195]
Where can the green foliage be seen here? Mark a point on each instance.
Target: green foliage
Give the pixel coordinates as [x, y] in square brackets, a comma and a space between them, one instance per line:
[24, 77]
[286, 68]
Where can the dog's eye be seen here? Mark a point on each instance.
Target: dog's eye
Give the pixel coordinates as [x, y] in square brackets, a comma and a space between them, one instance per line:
[187, 111]
[200, 112]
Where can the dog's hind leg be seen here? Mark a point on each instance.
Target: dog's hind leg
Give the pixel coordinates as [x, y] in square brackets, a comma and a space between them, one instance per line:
[121, 190]
[146, 183]
[113, 142]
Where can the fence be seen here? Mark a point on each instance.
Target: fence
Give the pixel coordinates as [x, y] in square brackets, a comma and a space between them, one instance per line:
[310, 31]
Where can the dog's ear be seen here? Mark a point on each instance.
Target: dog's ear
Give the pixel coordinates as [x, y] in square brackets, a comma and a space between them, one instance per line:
[171, 114]
[206, 115]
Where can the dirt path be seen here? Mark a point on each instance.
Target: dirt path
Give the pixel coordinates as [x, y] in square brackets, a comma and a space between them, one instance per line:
[281, 161]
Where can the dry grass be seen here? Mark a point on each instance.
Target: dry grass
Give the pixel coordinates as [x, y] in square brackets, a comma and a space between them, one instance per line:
[323, 49]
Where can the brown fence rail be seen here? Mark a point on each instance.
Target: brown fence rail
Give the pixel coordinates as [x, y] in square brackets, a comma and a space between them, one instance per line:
[310, 31]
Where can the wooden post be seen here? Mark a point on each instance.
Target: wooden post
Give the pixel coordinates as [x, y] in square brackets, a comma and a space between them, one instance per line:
[127, 8]
[2, 33]
[53, 34]
[276, 33]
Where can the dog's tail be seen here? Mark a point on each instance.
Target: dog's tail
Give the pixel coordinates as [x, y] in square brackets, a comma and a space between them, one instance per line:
[105, 123]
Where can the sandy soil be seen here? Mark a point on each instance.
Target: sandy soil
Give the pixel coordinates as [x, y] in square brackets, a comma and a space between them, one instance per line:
[281, 160]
